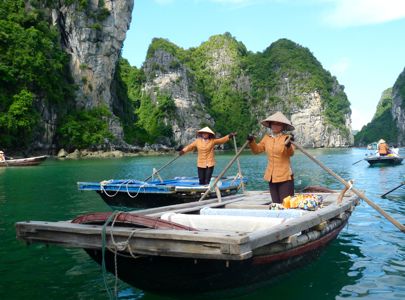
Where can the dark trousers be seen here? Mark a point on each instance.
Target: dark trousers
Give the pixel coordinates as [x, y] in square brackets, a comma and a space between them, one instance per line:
[280, 190]
[204, 175]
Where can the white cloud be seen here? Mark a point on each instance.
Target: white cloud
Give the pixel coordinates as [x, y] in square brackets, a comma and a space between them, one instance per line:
[348, 13]
[340, 67]
[360, 118]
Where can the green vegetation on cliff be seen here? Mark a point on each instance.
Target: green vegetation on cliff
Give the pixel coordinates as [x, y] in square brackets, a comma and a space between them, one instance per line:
[287, 61]
[32, 67]
[219, 64]
[85, 128]
[228, 105]
[34, 74]
[400, 86]
[382, 126]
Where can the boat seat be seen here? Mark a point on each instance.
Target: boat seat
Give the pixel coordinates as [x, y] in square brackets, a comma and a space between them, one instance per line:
[228, 223]
[285, 213]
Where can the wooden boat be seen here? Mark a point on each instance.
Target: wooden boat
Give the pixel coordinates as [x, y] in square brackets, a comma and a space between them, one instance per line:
[130, 194]
[384, 160]
[183, 249]
[22, 162]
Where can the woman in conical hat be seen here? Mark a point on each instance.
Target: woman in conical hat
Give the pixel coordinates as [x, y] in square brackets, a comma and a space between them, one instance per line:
[279, 150]
[205, 144]
[382, 148]
[2, 156]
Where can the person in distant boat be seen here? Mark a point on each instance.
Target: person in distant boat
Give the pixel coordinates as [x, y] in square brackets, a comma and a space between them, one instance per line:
[394, 150]
[205, 144]
[382, 148]
[279, 150]
[2, 156]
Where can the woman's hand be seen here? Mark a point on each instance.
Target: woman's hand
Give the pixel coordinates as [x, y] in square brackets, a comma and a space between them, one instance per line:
[232, 134]
[290, 139]
[250, 138]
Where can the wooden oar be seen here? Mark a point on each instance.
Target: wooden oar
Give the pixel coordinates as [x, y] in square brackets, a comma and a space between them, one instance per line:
[239, 168]
[357, 161]
[358, 193]
[161, 168]
[383, 195]
[224, 170]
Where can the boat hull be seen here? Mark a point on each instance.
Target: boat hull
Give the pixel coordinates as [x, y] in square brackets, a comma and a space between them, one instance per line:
[23, 162]
[133, 194]
[161, 274]
[125, 201]
[384, 160]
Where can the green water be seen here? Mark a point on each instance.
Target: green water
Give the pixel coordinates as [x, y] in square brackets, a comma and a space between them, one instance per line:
[366, 261]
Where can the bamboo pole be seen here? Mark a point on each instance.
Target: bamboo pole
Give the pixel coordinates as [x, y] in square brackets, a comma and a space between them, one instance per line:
[161, 168]
[238, 162]
[224, 170]
[358, 193]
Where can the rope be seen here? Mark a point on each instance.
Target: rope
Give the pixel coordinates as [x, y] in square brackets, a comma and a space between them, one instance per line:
[127, 183]
[103, 247]
[350, 182]
[116, 247]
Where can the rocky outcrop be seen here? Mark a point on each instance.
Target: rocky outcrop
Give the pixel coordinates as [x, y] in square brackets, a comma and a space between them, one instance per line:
[398, 106]
[221, 62]
[173, 78]
[311, 129]
[93, 36]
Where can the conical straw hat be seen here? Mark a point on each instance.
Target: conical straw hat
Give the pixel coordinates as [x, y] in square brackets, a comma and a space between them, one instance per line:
[278, 117]
[206, 130]
[381, 141]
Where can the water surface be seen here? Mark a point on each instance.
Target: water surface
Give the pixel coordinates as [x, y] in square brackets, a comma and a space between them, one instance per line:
[366, 261]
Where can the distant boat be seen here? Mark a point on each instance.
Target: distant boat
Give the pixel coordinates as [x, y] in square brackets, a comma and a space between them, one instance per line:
[384, 160]
[21, 162]
[201, 247]
[372, 146]
[129, 194]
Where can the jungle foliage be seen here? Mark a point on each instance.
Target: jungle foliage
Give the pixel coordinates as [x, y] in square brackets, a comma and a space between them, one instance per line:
[85, 128]
[32, 67]
[287, 61]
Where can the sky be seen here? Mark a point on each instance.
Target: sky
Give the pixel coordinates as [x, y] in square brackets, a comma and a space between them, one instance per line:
[361, 42]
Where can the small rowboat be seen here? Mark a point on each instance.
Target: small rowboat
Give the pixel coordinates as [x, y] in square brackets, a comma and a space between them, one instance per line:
[206, 246]
[132, 194]
[384, 160]
[22, 162]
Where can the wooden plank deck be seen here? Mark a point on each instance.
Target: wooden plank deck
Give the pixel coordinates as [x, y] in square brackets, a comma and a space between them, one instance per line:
[212, 244]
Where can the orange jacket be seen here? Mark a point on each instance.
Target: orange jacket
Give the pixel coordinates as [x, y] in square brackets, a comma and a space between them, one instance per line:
[278, 157]
[383, 149]
[205, 150]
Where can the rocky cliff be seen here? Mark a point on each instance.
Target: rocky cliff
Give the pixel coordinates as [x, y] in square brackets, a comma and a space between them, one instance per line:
[223, 85]
[398, 106]
[382, 126]
[166, 75]
[92, 34]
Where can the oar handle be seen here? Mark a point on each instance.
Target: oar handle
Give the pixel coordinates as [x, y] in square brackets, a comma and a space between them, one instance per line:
[224, 170]
[357, 161]
[383, 195]
[358, 193]
[161, 168]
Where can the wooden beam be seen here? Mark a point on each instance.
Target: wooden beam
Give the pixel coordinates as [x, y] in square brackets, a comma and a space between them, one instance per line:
[175, 243]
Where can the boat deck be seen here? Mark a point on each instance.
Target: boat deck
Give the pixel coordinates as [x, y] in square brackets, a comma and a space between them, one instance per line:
[219, 244]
